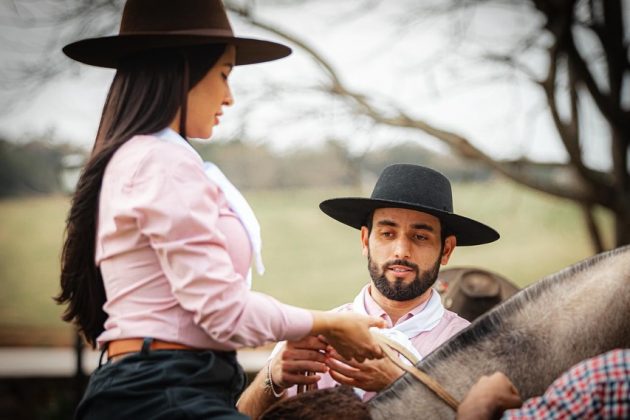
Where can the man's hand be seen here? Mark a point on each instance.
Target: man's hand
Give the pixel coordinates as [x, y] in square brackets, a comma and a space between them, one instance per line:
[289, 366]
[349, 333]
[369, 375]
[489, 398]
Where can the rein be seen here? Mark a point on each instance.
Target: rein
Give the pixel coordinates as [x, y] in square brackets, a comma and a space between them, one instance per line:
[387, 345]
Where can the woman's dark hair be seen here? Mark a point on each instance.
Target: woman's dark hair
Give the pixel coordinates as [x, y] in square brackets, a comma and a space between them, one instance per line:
[147, 92]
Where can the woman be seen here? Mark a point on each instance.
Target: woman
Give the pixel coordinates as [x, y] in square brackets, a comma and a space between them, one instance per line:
[155, 258]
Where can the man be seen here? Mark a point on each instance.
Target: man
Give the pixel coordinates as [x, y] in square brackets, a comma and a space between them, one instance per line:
[408, 229]
[598, 387]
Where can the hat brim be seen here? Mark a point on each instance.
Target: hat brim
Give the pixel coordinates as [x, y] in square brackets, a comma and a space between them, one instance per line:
[108, 51]
[355, 211]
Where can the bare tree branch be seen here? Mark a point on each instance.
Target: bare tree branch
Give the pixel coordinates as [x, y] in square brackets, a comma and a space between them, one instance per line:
[400, 119]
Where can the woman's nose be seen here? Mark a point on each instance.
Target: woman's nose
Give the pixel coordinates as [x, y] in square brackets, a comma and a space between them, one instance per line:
[229, 99]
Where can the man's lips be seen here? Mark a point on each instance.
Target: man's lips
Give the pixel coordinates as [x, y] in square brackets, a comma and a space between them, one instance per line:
[400, 268]
[400, 271]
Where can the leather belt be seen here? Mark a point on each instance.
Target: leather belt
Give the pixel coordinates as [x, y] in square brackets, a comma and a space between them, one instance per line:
[134, 345]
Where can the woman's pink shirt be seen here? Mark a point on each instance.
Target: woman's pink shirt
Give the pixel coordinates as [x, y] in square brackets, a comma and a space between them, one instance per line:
[174, 257]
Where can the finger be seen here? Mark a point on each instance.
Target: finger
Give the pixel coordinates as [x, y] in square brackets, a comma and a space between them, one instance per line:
[297, 354]
[292, 379]
[376, 322]
[358, 357]
[373, 351]
[344, 380]
[344, 369]
[512, 401]
[309, 343]
[297, 366]
[350, 362]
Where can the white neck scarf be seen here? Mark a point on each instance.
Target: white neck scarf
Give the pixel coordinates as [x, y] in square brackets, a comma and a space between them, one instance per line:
[403, 332]
[235, 200]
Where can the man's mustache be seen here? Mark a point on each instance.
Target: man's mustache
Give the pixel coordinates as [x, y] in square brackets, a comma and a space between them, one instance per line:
[400, 262]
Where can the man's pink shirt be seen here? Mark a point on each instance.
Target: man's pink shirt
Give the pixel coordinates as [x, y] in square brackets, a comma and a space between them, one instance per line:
[174, 257]
[425, 342]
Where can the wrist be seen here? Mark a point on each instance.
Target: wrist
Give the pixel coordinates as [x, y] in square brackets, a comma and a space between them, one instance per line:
[321, 323]
[272, 387]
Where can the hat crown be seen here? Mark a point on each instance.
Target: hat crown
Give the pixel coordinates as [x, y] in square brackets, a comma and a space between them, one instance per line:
[415, 185]
[145, 16]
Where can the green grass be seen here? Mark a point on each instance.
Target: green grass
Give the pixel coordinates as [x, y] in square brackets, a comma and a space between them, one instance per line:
[312, 260]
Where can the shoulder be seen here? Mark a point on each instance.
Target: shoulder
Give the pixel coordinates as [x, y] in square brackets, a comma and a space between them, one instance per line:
[146, 157]
[151, 148]
[454, 322]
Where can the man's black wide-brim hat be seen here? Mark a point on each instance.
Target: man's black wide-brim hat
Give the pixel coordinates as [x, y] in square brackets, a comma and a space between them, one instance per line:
[157, 24]
[411, 187]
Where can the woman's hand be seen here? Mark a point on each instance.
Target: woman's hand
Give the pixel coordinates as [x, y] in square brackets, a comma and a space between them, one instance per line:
[349, 333]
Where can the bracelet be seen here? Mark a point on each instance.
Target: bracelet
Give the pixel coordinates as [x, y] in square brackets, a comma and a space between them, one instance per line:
[270, 385]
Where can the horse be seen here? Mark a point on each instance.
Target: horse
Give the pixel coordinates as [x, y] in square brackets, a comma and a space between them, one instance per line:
[533, 337]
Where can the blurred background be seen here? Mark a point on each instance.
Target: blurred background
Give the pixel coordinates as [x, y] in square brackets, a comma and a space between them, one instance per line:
[524, 105]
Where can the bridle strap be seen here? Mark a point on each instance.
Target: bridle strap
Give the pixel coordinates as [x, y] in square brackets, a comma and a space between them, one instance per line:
[387, 345]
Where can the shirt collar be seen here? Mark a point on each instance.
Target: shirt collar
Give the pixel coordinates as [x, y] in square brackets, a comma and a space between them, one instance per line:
[171, 136]
[374, 308]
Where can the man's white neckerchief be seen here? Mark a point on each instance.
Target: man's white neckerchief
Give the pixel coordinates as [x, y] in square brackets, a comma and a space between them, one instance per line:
[425, 320]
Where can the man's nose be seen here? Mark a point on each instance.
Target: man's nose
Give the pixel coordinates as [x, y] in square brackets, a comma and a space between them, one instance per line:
[402, 248]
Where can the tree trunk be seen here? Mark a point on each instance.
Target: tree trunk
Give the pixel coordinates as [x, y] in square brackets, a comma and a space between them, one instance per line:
[622, 225]
[593, 229]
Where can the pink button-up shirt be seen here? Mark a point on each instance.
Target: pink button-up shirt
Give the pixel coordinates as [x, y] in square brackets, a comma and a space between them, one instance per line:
[174, 256]
[425, 342]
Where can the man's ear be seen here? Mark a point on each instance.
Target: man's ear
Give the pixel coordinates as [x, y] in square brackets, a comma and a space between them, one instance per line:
[365, 236]
[449, 246]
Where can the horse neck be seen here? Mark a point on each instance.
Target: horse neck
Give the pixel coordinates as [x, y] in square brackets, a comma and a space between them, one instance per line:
[534, 337]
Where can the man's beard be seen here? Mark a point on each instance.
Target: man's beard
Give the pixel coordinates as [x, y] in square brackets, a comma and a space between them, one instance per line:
[398, 290]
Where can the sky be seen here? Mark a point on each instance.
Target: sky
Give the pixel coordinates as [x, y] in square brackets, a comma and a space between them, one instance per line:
[421, 66]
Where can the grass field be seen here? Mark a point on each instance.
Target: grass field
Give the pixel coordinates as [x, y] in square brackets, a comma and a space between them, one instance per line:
[311, 260]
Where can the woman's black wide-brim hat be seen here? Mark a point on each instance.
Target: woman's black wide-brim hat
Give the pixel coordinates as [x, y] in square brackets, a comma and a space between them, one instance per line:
[155, 24]
[411, 187]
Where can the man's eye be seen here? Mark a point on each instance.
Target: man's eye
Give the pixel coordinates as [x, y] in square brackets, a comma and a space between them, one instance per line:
[387, 234]
[420, 237]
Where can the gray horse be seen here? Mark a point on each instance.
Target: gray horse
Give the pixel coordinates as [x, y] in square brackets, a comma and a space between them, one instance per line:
[533, 337]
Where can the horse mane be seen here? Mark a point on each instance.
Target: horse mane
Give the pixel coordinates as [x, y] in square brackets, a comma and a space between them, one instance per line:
[499, 316]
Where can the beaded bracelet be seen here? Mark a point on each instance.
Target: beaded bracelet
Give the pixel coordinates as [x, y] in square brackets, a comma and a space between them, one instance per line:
[270, 385]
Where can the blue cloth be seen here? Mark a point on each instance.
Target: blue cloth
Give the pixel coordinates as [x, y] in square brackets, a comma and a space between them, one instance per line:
[165, 384]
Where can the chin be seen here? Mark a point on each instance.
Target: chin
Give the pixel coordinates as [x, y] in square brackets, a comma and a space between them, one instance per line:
[200, 135]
